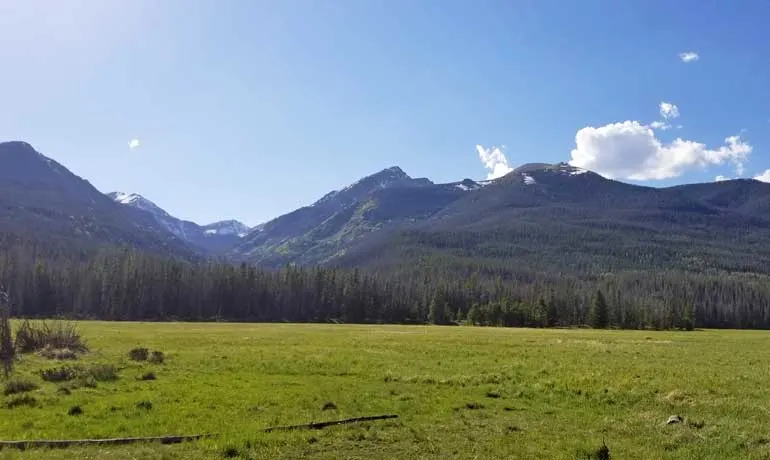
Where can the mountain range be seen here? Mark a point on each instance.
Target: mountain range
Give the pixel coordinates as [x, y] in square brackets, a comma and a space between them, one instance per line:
[212, 238]
[550, 218]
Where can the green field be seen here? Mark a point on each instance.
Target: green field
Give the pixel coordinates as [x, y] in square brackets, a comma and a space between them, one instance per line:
[460, 392]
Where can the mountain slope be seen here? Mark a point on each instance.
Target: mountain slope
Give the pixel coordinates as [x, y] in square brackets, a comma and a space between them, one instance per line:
[322, 231]
[40, 198]
[548, 218]
[213, 238]
[563, 220]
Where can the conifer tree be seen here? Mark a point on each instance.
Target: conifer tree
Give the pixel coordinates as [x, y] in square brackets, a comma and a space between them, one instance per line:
[598, 315]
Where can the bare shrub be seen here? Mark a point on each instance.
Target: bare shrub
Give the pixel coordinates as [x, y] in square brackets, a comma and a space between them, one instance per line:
[139, 354]
[58, 374]
[56, 335]
[16, 386]
[157, 357]
[58, 354]
[24, 400]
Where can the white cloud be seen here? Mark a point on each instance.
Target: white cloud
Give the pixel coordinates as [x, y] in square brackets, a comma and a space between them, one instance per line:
[661, 125]
[494, 160]
[133, 143]
[721, 178]
[669, 110]
[764, 177]
[630, 150]
[739, 168]
[689, 56]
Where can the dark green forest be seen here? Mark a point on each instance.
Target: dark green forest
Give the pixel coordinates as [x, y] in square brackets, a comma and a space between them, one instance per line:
[126, 284]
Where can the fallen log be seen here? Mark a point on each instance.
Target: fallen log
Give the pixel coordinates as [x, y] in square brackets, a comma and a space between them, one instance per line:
[101, 442]
[320, 425]
[22, 445]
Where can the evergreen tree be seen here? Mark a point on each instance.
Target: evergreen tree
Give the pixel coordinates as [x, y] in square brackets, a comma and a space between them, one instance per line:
[598, 315]
[688, 317]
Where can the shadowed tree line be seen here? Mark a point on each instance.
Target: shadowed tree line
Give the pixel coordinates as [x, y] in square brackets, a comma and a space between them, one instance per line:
[131, 285]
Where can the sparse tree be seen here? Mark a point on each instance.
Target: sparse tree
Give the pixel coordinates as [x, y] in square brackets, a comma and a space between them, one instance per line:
[474, 315]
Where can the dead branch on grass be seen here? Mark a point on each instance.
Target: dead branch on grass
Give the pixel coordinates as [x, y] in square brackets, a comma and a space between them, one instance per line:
[320, 425]
[22, 445]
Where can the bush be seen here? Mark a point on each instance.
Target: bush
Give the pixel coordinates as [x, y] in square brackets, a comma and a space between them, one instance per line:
[25, 400]
[103, 372]
[57, 335]
[75, 410]
[16, 386]
[139, 354]
[85, 381]
[58, 354]
[231, 452]
[58, 374]
[146, 405]
[157, 357]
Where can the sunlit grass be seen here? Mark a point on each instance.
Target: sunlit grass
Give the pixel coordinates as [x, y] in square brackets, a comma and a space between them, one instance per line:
[460, 392]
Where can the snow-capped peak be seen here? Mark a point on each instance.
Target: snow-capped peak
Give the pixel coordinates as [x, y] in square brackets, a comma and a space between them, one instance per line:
[559, 168]
[226, 227]
[137, 201]
[186, 230]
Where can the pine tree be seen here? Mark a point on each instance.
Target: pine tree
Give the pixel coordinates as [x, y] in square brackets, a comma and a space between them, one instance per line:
[688, 317]
[599, 311]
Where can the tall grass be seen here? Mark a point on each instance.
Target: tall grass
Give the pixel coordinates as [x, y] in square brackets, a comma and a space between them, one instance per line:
[54, 335]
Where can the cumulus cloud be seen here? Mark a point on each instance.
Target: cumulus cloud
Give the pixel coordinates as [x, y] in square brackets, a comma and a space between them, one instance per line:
[689, 56]
[721, 178]
[494, 160]
[668, 110]
[662, 125]
[631, 150]
[133, 143]
[764, 177]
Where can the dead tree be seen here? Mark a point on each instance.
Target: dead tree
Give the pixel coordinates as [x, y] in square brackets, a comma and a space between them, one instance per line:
[6, 340]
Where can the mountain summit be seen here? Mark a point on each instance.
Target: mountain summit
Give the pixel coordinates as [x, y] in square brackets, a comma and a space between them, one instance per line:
[213, 238]
[387, 178]
[42, 200]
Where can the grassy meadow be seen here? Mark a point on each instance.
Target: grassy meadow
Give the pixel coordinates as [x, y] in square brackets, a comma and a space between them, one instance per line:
[460, 392]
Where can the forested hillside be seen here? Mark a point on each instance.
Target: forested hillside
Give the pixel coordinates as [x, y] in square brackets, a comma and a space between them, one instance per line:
[131, 285]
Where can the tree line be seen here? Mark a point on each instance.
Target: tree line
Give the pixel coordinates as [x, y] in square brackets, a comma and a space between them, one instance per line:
[125, 284]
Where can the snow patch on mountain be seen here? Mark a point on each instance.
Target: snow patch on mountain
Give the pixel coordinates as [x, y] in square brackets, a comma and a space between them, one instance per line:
[226, 227]
[207, 236]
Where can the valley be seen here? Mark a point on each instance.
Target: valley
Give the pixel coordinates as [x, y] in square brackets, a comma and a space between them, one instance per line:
[459, 392]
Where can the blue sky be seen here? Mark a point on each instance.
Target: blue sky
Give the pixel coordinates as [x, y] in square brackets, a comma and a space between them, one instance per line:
[248, 109]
